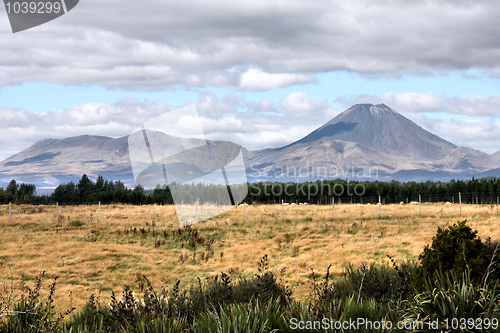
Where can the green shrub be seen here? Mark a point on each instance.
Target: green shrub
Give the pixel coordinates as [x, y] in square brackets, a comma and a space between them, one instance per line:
[250, 317]
[89, 319]
[346, 309]
[364, 293]
[491, 254]
[31, 313]
[454, 250]
[457, 299]
[376, 292]
[223, 291]
[378, 281]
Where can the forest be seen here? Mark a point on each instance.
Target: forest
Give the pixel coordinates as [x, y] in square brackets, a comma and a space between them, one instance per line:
[89, 191]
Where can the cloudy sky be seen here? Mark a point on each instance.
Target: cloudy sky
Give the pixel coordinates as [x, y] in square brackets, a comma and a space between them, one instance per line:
[262, 73]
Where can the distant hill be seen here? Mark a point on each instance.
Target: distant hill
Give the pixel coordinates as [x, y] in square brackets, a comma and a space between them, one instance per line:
[50, 162]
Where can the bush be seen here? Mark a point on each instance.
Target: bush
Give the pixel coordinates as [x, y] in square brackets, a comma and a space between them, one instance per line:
[378, 281]
[376, 292]
[457, 300]
[491, 254]
[30, 313]
[255, 316]
[89, 319]
[454, 250]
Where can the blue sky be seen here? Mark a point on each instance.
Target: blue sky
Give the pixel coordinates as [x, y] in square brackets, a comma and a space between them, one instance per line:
[261, 73]
[45, 97]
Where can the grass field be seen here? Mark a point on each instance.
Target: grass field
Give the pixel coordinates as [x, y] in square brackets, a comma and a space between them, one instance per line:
[86, 256]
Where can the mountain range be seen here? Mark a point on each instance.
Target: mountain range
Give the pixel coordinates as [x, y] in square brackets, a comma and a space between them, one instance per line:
[372, 142]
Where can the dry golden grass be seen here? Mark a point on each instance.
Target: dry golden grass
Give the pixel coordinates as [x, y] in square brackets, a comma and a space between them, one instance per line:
[87, 256]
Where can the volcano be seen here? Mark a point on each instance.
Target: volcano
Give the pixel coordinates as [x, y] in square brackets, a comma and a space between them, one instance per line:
[369, 141]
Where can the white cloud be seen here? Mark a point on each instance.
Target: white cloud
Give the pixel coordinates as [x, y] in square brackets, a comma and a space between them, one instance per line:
[156, 44]
[208, 104]
[471, 105]
[255, 79]
[298, 105]
[475, 133]
[302, 104]
[264, 105]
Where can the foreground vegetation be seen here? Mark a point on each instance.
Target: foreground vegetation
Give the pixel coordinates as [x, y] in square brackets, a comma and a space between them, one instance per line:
[317, 266]
[264, 303]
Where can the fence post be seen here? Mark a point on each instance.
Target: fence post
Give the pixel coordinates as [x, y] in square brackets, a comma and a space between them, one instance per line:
[10, 211]
[57, 212]
[379, 207]
[460, 201]
[420, 204]
[333, 206]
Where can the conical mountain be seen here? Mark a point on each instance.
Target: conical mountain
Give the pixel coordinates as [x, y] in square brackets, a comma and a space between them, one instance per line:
[366, 137]
[381, 128]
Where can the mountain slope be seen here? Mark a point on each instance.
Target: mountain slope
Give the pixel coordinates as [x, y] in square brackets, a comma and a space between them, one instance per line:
[383, 129]
[50, 162]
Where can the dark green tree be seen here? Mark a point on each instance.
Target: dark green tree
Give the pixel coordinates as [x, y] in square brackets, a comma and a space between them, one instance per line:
[85, 188]
[12, 189]
[138, 195]
[26, 193]
[3, 196]
[456, 250]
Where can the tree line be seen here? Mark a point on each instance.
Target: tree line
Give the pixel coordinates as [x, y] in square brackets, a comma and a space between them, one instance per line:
[88, 191]
[480, 191]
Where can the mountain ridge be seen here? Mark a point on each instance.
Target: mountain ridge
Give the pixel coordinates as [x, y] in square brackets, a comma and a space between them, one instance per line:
[363, 137]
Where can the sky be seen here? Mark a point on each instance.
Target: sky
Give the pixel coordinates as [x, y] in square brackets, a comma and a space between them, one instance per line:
[261, 73]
